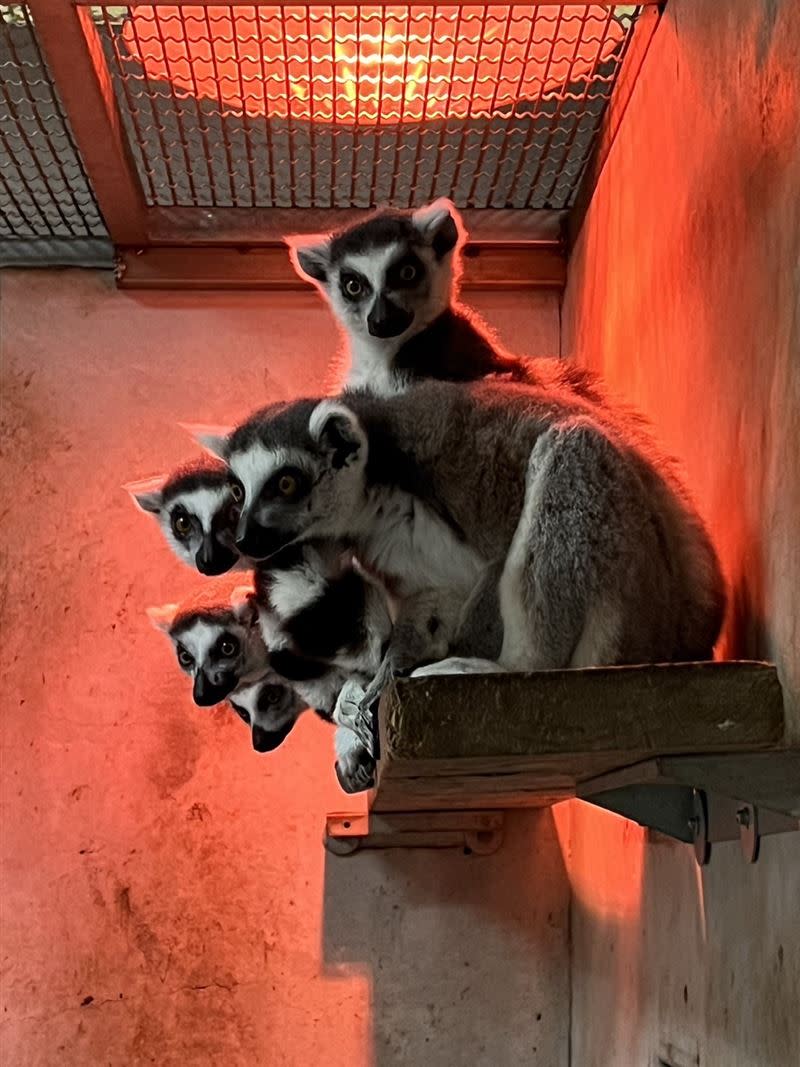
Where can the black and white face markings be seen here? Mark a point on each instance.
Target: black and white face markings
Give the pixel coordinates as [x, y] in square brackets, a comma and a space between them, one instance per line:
[386, 278]
[295, 467]
[197, 510]
[218, 645]
[270, 708]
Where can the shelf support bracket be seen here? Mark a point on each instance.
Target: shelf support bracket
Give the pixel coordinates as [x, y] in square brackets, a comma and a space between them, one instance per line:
[478, 833]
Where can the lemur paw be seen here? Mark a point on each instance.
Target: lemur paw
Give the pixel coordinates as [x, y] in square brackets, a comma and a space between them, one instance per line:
[354, 714]
[355, 760]
[373, 691]
[356, 773]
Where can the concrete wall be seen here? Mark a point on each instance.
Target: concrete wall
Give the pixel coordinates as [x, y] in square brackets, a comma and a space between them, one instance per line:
[166, 898]
[684, 290]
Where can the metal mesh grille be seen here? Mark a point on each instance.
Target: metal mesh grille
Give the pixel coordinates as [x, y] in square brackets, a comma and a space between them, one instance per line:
[44, 191]
[354, 106]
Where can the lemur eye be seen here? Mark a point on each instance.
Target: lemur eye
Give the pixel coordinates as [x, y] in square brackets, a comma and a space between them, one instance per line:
[287, 485]
[237, 492]
[353, 287]
[273, 694]
[186, 659]
[182, 525]
[408, 273]
[229, 646]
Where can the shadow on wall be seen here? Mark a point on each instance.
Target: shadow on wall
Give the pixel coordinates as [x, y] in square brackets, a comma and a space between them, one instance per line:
[468, 955]
[659, 969]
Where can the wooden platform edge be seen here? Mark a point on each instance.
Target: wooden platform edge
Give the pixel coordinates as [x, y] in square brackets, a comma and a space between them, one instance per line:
[456, 724]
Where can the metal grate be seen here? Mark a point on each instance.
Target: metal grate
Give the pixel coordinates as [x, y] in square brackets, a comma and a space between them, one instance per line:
[332, 106]
[45, 196]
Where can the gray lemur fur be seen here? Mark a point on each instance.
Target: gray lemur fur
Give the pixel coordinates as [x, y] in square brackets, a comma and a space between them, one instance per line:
[605, 559]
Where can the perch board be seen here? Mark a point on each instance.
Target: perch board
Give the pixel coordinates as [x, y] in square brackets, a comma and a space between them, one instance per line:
[530, 740]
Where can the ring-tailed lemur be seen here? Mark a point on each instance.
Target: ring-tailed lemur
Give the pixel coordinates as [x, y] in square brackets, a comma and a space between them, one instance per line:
[217, 640]
[391, 282]
[270, 708]
[321, 619]
[218, 643]
[315, 603]
[605, 559]
[197, 512]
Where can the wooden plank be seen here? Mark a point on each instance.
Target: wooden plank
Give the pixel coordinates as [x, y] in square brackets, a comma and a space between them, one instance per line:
[484, 724]
[250, 226]
[469, 792]
[74, 54]
[488, 265]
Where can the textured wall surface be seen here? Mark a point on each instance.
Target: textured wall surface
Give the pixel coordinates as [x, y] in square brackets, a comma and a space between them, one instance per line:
[684, 290]
[166, 898]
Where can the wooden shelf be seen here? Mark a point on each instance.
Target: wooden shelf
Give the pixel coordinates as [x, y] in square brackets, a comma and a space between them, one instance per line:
[466, 742]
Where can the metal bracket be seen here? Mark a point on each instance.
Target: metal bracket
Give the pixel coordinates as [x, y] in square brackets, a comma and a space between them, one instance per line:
[477, 833]
[694, 816]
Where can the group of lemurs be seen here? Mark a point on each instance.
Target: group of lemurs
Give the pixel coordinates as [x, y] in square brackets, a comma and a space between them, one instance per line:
[453, 508]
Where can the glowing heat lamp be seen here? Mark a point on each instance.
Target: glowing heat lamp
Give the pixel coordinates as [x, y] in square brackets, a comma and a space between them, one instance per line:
[371, 65]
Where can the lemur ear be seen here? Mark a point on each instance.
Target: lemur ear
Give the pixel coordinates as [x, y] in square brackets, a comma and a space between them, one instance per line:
[337, 430]
[440, 225]
[162, 618]
[212, 439]
[310, 255]
[147, 494]
[243, 602]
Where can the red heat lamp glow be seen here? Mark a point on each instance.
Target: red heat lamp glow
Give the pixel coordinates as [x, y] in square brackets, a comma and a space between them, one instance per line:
[371, 65]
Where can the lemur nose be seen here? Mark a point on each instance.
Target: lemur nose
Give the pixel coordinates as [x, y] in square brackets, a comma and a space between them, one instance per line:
[386, 319]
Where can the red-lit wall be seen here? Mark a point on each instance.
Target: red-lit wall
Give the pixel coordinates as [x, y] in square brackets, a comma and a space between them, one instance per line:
[151, 860]
[684, 290]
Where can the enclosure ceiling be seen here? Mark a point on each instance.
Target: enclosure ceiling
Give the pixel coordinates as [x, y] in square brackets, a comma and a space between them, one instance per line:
[219, 127]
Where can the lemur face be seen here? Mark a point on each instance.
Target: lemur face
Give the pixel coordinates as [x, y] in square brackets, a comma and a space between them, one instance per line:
[197, 511]
[270, 708]
[389, 277]
[219, 645]
[298, 470]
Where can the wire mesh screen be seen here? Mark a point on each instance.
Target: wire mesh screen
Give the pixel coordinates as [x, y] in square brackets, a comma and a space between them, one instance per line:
[334, 106]
[44, 191]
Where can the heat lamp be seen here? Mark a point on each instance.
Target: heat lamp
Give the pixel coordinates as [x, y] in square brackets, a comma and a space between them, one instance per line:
[373, 65]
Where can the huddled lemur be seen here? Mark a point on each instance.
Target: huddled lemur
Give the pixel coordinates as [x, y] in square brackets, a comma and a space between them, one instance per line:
[605, 559]
[320, 619]
[216, 639]
[392, 284]
[558, 537]
[197, 513]
[218, 642]
[316, 607]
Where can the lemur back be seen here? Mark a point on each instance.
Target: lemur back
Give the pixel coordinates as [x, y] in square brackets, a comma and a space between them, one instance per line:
[440, 479]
